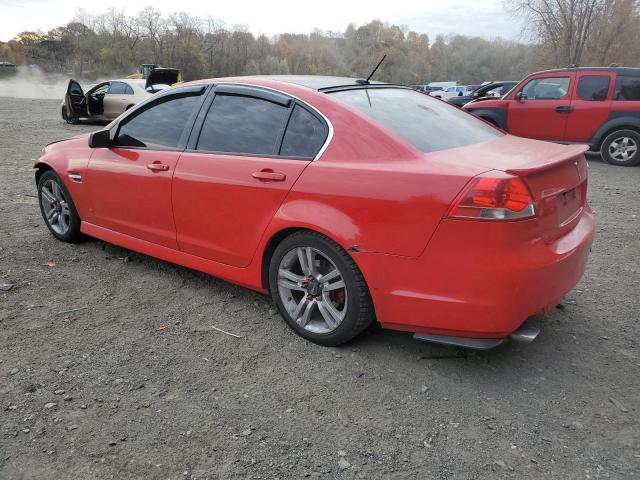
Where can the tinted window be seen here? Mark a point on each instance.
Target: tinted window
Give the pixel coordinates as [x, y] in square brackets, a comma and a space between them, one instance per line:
[119, 88]
[627, 88]
[548, 88]
[593, 87]
[101, 90]
[424, 122]
[159, 126]
[305, 135]
[237, 124]
[75, 89]
[507, 88]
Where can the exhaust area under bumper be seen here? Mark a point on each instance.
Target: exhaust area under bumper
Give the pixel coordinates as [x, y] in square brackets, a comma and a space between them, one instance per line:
[523, 335]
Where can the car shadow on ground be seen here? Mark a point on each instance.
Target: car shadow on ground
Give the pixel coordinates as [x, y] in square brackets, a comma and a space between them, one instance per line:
[375, 341]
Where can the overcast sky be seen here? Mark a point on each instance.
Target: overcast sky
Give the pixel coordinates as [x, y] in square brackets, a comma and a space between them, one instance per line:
[486, 18]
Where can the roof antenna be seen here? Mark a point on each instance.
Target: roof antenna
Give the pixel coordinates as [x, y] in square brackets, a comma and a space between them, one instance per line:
[362, 81]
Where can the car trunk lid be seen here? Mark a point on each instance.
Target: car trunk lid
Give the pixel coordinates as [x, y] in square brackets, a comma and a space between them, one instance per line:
[161, 76]
[555, 174]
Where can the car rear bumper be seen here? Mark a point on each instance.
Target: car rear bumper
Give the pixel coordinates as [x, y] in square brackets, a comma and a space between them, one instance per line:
[477, 279]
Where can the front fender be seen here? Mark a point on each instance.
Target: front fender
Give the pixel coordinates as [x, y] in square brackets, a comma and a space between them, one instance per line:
[67, 157]
[498, 116]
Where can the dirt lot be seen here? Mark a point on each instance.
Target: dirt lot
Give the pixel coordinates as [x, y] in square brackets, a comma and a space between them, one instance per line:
[109, 367]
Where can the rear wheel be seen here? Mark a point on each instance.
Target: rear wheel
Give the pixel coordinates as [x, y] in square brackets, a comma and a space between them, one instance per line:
[319, 290]
[57, 208]
[621, 148]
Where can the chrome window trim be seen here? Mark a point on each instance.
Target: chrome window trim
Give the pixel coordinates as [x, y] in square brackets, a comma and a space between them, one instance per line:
[298, 99]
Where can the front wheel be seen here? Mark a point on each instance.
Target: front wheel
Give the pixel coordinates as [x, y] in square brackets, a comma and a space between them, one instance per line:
[621, 148]
[319, 290]
[69, 118]
[57, 208]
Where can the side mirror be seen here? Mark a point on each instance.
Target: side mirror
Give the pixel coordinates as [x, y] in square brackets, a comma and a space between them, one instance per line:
[520, 96]
[100, 139]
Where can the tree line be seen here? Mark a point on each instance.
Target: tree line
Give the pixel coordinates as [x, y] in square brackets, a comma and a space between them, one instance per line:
[112, 44]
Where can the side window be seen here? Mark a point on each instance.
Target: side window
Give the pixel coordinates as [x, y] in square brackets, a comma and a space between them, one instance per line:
[75, 89]
[243, 125]
[101, 90]
[117, 88]
[305, 135]
[506, 89]
[547, 88]
[159, 126]
[128, 90]
[627, 88]
[593, 87]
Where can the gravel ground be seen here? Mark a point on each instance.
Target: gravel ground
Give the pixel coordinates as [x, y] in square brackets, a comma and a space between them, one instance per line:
[110, 367]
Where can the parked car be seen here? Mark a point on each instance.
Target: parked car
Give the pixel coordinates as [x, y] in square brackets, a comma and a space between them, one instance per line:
[425, 88]
[107, 100]
[490, 90]
[597, 106]
[299, 185]
[438, 87]
[454, 91]
[7, 68]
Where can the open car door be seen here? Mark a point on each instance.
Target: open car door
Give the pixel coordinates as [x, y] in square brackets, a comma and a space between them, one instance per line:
[160, 78]
[75, 100]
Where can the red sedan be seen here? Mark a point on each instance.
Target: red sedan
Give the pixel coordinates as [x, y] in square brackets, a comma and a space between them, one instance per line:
[348, 201]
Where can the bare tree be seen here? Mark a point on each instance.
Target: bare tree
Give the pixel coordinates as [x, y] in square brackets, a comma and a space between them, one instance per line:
[564, 27]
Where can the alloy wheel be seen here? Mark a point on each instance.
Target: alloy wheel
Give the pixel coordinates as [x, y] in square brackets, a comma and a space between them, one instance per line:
[55, 207]
[623, 149]
[312, 289]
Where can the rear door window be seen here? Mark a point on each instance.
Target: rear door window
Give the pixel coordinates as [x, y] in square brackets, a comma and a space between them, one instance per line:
[305, 134]
[161, 125]
[424, 122]
[238, 124]
[593, 87]
[627, 88]
[118, 88]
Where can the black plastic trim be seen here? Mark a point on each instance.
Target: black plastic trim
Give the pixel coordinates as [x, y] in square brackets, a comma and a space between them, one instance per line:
[618, 120]
[255, 92]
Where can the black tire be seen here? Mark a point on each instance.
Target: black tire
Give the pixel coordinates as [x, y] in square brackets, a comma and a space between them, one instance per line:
[69, 119]
[619, 137]
[72, 234]
[359, 308]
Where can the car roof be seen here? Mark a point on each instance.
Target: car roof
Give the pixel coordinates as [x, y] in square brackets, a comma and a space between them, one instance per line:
[632, 71]
[315, 82]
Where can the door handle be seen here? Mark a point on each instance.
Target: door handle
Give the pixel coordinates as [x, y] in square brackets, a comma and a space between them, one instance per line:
[158, 167]
[564, 109]
[268, 175]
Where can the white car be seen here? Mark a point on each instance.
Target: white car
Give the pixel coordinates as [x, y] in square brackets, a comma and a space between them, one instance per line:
[454, 91]
[107, 100]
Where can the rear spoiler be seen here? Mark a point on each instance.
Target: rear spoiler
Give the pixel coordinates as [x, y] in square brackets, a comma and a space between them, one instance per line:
[570, 153]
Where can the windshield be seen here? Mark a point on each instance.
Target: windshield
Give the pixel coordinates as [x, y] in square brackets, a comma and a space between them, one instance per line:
[426, 123]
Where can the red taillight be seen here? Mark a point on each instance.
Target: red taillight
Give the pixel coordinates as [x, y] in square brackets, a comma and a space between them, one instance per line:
[495, 196]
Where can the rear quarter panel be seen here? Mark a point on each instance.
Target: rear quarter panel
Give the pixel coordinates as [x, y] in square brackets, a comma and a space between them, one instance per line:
[372, 192]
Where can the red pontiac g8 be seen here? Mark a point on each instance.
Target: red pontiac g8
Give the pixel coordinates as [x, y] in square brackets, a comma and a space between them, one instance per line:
[349, 201]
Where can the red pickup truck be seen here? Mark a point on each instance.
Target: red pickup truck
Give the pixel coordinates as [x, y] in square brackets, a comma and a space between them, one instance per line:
[593, 105]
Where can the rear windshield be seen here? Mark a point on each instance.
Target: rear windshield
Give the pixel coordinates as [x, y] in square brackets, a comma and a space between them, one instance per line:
[426, 123]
